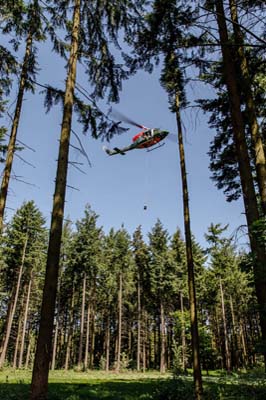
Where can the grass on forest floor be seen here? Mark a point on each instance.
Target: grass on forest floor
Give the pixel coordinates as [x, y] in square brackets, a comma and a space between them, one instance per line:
[98, 385]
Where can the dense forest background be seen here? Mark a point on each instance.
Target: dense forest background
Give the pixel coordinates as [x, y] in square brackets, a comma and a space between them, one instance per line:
[74, 296]
[123, 303]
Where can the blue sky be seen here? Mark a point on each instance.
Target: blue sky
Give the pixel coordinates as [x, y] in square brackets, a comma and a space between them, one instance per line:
[118, 187]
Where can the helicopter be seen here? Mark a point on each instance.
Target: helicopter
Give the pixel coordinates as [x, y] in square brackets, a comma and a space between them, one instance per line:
[145, 139]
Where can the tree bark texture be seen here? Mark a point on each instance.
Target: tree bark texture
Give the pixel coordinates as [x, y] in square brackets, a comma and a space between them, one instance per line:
[14, 130]
[190, 262]
[246, 88]
[39, 385]
[247, 184]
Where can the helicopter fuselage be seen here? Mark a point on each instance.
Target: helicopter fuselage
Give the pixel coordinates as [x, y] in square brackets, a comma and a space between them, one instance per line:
[149, 138]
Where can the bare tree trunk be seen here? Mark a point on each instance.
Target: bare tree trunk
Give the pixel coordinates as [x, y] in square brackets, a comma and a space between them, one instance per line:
[162, 334]
[82, 322]
[55, 343]
[107, 345]
[18, 339]
[70, 333]
[247, 184]
[139, 323]
[183, 334]
[28, 352]
[119, 334]
[226, 344]
[14, 130]
[243, 341]
[235, 341]
[13, 306]
[25, 324]
[87, 338]
[39, 383]
[144, 344]
[190, 262]
[246, 88]
[92, 340]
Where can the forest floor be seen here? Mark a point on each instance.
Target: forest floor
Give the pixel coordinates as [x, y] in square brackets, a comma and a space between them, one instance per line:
[97, 385]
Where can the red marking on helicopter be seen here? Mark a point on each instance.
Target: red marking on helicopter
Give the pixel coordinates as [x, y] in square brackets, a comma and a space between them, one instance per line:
[143, 140]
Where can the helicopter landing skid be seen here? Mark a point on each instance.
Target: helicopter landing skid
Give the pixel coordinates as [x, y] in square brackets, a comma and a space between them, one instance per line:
[155, 148]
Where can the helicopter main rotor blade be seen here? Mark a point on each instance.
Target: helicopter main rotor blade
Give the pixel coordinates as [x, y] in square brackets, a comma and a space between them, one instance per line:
[122, 117]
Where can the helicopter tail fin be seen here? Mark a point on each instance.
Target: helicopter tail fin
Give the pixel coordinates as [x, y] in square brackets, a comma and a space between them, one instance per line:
[108, 151]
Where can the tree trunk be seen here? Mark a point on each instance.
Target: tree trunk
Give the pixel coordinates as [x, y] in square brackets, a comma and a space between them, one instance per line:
[55, 344]
[226, 344]
[144, 344]
[249, 195]
[82, 323]
[92, 340]
[107, 344]
[25, 324]
[243, 341]
[119, 333]
[14, 130]
[87, 338]
[190, 262]
[234, 336]
[139, 323]
[183, 335]
[246, 88]
[13, 306]
[162, 334]
[28, 352]
[39, 383]
[70, 332]
[18, 339]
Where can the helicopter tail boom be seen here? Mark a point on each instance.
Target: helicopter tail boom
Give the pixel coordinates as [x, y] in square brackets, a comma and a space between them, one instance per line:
[116, 150]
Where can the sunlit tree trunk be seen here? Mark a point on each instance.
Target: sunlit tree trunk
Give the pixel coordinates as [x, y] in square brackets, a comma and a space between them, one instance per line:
[247, 184]
[226, 344]
[28, 351]
[14, 130]
[119, 333]
[246, 88]
[82, 322]
[70, 329]
[144, 343]
[234, 336]
[162, 334]
[18, 339]
[107, 344]
[25, 320]
[55, 343]
[13, 306]
[190, 262]
[39, 383]
[87, 337]
[92, 339]
[243, 342]
[183, 334]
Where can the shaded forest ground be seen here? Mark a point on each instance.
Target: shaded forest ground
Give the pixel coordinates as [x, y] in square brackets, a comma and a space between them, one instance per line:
[70, 385]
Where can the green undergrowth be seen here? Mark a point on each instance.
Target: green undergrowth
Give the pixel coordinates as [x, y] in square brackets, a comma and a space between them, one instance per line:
[71, 385]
